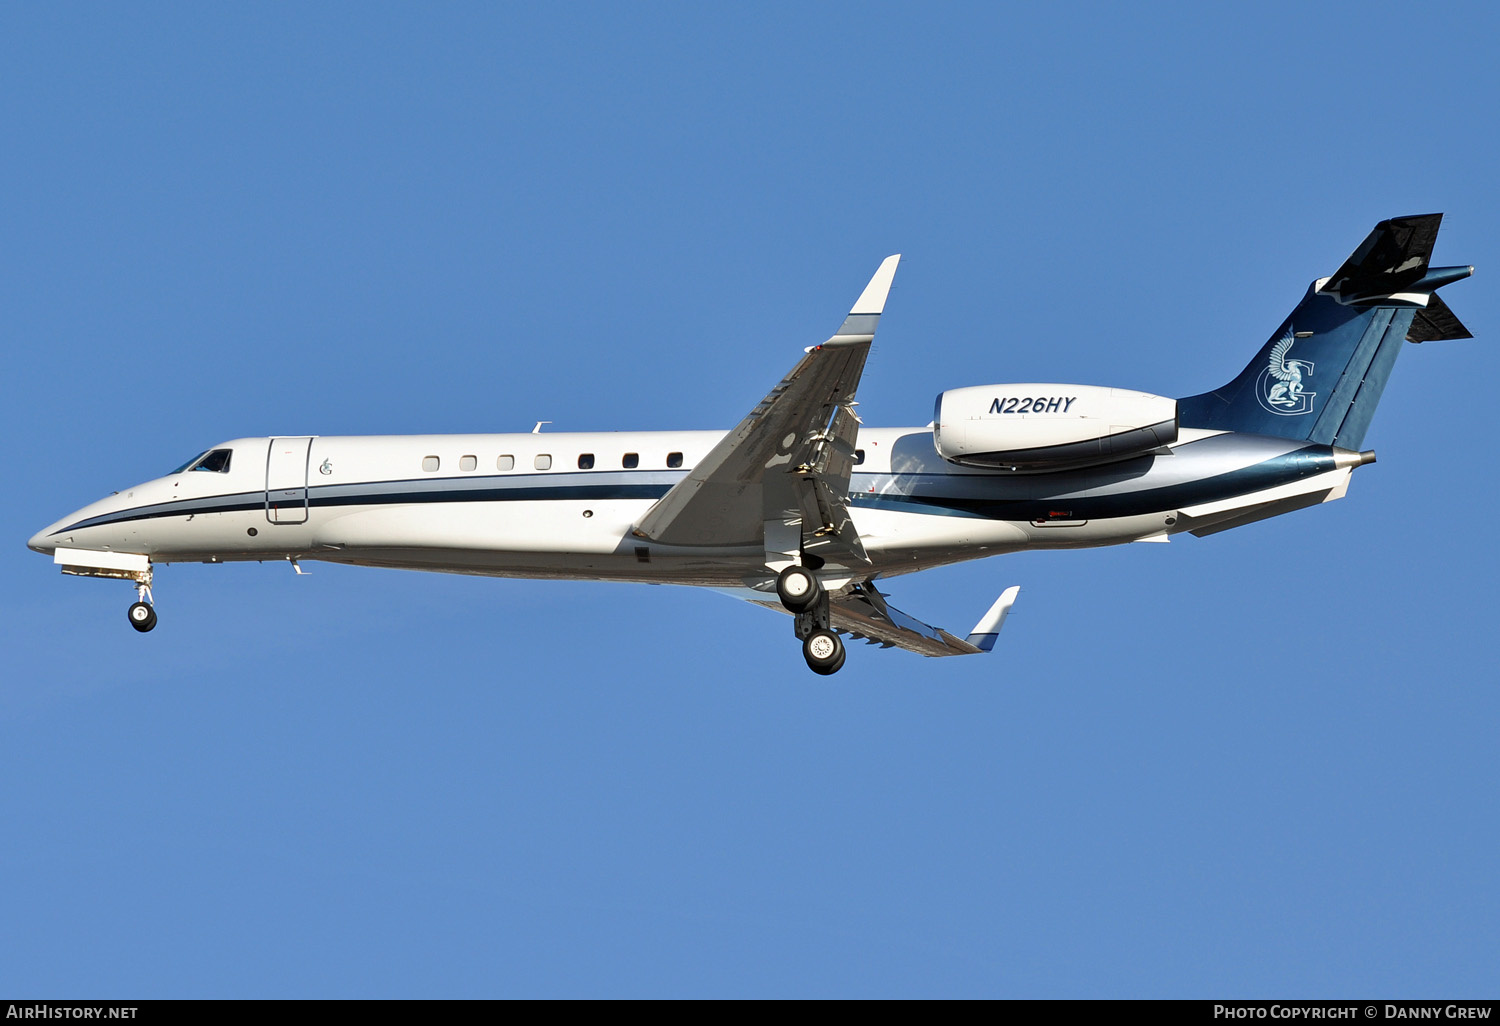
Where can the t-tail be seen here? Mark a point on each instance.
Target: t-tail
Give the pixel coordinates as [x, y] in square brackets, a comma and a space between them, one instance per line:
[1321, 373]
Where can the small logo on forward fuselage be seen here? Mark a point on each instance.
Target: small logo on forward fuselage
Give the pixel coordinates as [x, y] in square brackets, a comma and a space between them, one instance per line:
[1282, 386]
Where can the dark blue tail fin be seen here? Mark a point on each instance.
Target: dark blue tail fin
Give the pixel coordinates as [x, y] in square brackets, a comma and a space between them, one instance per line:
[1322, 372]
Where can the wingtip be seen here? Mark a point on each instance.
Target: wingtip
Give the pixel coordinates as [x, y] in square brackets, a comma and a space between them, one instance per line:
[872, 299]
[987, 630]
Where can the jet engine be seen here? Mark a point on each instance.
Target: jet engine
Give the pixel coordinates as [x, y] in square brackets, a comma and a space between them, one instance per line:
[1040, 428]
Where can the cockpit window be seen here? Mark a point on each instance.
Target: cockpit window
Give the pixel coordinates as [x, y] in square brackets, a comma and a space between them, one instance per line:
[189, 463]
[215, 461]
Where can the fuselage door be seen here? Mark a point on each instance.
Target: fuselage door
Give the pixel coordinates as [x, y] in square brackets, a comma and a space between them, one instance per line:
[286, 480]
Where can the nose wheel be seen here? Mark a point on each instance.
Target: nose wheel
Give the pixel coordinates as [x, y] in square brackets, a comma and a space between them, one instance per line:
[142, 613]
[142, 617]
[803, 595]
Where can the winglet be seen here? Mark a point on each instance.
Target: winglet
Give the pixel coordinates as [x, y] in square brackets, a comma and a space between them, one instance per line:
[859, 326]
[987, 629]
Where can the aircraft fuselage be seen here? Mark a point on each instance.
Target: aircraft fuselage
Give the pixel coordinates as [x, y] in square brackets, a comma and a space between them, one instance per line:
[562, 505]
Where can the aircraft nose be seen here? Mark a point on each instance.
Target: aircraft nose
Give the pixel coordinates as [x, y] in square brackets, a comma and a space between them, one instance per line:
[80, 530]
[43, 541]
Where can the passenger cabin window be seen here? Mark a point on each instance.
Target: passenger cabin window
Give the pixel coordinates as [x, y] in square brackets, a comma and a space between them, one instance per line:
[215, 461]
[543, 462]
[859, 456]
[505, 463]
[674, 460]
[430, 463]
[468, 462]
[586, 461]
[631, 460]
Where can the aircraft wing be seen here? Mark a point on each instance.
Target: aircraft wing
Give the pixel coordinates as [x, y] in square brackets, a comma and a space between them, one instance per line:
[781, 477]
[865, 614]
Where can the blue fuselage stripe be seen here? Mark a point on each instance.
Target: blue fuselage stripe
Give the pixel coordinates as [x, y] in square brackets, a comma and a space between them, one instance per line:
[1282, 469]
[1293, 466]
[379, 493]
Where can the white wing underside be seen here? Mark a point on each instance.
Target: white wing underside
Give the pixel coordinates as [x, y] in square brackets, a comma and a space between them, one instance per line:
[780, 479]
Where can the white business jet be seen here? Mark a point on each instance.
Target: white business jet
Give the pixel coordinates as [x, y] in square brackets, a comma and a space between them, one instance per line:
[800, 507]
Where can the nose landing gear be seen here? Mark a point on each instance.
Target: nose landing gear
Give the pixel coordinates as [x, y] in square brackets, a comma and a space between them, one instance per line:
[803, 595]
[116, 566]
[142, 612]
[142, 617]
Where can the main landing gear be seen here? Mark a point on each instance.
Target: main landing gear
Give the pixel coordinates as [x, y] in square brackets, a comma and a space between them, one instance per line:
[803, 595]
[142, 613]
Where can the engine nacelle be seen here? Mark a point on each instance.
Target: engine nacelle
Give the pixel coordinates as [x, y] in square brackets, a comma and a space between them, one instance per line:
[1038, 428]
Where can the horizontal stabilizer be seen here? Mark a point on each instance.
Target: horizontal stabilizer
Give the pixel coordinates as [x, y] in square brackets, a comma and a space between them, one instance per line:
[1320, 375]
[1393, 256]
[1436, 323]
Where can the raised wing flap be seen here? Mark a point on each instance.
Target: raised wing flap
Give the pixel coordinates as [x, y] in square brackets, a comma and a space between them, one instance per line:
[787, 463]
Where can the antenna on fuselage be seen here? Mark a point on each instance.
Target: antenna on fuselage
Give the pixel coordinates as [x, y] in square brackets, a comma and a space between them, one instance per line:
[538, 429]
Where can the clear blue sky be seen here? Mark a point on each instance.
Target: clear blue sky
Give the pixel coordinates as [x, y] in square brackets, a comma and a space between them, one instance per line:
[1260, 764]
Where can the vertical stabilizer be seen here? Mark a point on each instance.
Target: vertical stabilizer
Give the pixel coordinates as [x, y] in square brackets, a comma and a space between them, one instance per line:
[1322, 372]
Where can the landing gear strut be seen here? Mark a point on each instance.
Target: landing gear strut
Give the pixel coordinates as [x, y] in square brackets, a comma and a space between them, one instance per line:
[142, 613]
[803, 595]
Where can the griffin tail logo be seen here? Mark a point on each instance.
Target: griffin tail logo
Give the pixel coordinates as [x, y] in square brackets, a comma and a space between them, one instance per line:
[1281, 387]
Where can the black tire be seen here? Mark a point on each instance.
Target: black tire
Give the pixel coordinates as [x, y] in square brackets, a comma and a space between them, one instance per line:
[836, 667]
[824, 652]
[798, 588]
[142, 617]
